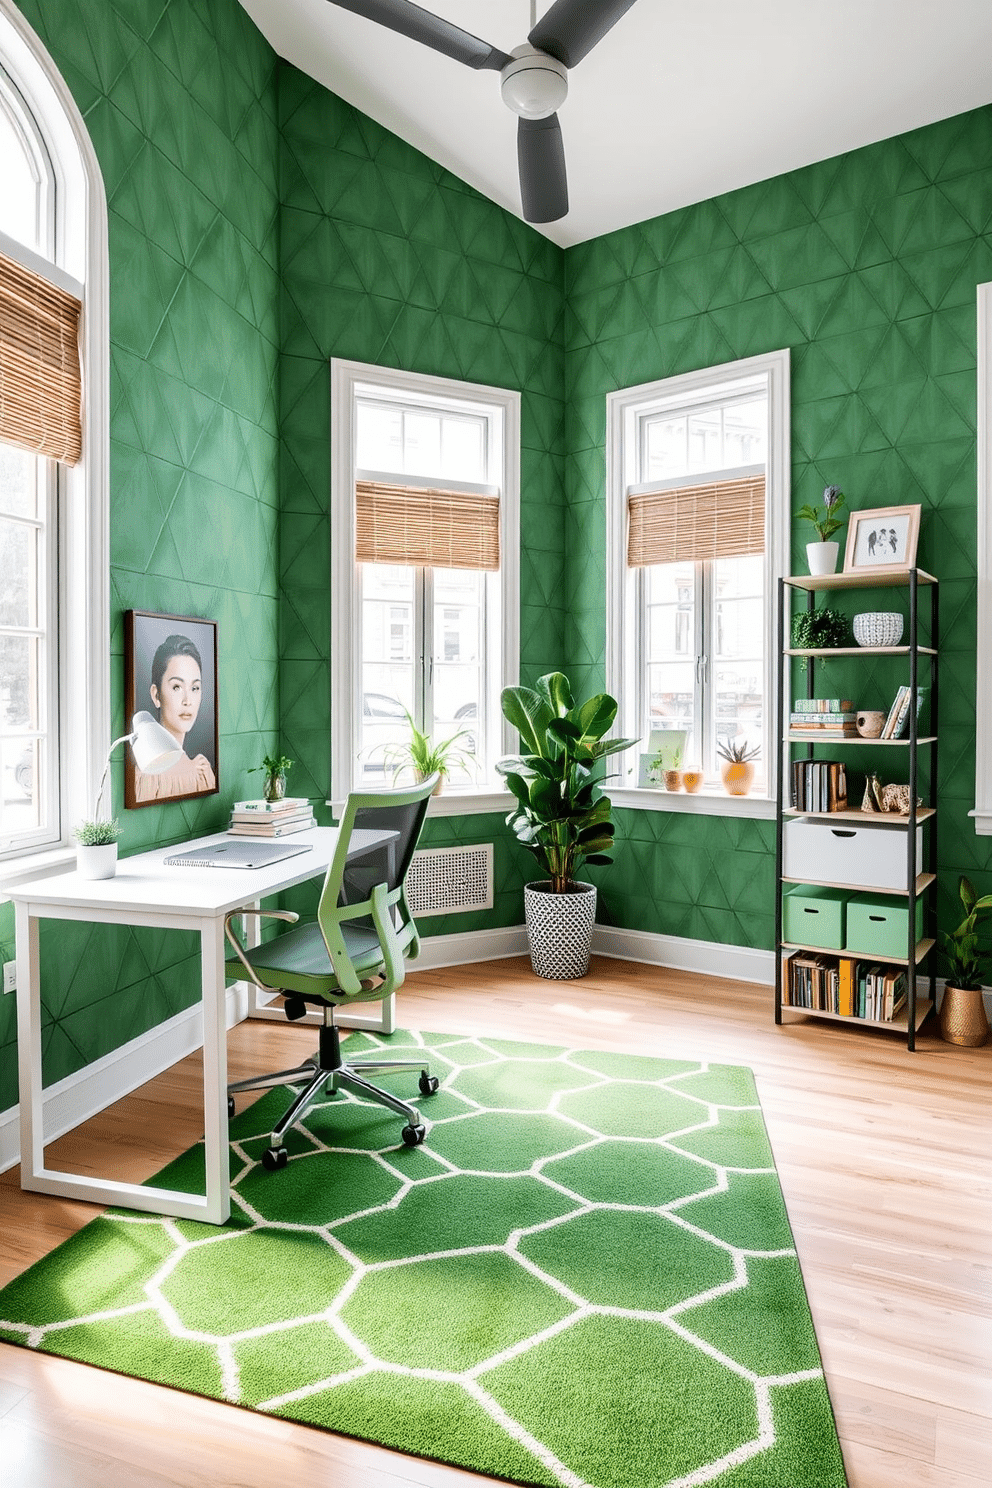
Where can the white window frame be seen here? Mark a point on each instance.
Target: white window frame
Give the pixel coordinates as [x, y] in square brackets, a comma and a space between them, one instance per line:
[347, 378]
[82, 267]
[623, 409]
[982, 813]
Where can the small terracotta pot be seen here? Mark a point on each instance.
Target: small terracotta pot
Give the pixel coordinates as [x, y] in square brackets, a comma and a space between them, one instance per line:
[737, 777]
[692, 780]
[673, 780]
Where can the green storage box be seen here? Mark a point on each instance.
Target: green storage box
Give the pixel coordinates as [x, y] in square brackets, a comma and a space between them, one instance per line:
[877, 924]
[814, 916]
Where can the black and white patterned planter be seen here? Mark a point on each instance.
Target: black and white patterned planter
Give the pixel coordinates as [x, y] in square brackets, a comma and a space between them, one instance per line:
[559, 929]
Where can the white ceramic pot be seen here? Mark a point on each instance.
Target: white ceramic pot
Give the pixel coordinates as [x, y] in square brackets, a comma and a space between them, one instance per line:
[822, 557]
[96, 862]
[559, 929]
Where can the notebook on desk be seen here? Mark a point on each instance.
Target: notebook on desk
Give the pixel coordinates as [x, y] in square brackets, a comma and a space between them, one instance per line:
[248, 854]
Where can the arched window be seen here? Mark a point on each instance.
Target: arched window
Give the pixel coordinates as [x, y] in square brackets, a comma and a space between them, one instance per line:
[54, 576]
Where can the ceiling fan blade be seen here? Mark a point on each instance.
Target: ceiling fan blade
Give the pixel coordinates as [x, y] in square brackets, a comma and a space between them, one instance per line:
[420, 25]
[541, 163]
[571, 28]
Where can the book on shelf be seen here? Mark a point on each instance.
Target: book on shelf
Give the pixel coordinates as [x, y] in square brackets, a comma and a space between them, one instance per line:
[271, 828]
[821, 720]
[822, 983]
[896, 715]
[272, 808]
[819, 785]
[823, 705]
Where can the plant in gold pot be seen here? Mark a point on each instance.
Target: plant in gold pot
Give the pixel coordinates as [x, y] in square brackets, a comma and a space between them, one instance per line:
[737, 771]
[963, 1019]
[560, 815]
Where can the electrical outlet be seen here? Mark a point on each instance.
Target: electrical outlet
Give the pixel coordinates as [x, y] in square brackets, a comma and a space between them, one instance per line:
[10, 976]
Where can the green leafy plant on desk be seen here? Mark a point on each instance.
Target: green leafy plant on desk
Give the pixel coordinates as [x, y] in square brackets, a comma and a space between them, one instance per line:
[275, 767]
[98, 833]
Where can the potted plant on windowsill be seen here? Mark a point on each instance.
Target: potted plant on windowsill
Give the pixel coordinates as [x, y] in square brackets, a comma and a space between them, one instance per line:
[275, 767]
[96, 848]
[822, 556]
[737, 771]
[560, 816]
[963, 1019]
[425, 756]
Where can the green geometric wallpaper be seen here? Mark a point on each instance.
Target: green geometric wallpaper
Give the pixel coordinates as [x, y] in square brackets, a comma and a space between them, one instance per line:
[865, 266]
[259, 226]
[179, 97]
[388, 258]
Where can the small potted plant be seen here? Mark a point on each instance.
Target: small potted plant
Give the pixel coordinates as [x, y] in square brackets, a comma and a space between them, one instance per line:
[737, 771]
[425, 756]
[819, 630]
[963, 1019]
[822, 555]
[275, 767]
[96, 848]
[560, 816]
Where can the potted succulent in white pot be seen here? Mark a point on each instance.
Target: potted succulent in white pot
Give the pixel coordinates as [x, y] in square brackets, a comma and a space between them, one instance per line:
[560, 816]
[822, 555]
[96, 848]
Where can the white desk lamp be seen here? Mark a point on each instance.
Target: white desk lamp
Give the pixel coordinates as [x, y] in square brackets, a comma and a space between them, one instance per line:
[154, 749]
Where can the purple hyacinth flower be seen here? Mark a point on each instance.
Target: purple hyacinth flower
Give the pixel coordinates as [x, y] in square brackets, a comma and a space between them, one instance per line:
[830, 496]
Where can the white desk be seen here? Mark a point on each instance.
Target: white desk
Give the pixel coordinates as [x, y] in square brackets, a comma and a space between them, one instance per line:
[146, 891]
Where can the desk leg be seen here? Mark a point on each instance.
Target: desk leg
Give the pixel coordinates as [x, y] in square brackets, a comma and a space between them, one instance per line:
[31, 1111]
[215, 1136]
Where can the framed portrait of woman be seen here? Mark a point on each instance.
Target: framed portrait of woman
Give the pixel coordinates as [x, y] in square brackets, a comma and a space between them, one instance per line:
[170, 674]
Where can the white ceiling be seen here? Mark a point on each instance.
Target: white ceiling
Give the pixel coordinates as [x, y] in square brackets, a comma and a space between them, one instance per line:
[678, 103]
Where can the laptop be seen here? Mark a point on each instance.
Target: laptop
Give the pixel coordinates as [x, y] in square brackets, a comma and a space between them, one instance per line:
[238, 854]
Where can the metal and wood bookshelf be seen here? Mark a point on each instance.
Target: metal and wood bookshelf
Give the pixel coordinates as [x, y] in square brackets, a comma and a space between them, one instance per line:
[920, 877]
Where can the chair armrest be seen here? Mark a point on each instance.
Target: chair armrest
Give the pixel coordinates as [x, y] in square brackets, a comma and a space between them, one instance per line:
[289, 915]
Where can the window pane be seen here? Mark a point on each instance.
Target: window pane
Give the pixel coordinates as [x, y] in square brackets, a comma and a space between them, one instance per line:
[19, 672]
[745, 433]
[380, 437]
[421, 444]
[18, 574]
[705, 441]
[739, 649]
[664, 452]
[463, 448]
[20, 184]
[388, 646]
[20, 785]
[18, 482]
[458, 652]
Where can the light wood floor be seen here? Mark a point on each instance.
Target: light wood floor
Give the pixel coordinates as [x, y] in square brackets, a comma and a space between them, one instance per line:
[883, 1157]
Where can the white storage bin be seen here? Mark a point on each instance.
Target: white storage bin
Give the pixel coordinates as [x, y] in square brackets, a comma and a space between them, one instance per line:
[872, 857]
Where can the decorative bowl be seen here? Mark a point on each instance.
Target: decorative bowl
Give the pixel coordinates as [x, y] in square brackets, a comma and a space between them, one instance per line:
[870, 724]
[878, 628]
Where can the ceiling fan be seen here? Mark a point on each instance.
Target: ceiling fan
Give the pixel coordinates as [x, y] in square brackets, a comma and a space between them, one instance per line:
[533, 78]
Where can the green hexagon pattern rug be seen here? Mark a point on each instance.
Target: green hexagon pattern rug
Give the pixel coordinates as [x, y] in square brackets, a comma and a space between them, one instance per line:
[585, 1276]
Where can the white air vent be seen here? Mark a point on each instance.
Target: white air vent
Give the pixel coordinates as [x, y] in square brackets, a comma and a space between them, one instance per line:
[447, 880]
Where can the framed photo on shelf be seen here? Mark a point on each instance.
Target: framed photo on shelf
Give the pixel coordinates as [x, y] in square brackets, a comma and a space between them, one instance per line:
[881, 539]
[170, 673]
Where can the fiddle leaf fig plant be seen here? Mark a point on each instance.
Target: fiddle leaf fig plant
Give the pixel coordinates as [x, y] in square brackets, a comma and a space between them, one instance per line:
[560, 815]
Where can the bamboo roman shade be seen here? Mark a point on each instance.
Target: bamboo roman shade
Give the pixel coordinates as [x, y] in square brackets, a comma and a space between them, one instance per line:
[40, 381]
[424, 527]
[721, 519]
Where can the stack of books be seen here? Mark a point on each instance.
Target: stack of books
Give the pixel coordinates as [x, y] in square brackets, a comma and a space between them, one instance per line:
[819, 785]
[271, 818]
[824, 718]
[898, 715]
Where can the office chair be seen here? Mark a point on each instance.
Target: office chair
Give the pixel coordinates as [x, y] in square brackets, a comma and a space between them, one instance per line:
[355, 951]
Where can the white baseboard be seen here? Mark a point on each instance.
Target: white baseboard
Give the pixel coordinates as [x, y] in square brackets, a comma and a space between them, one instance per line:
[468, 946]
[80, 1096]
[736, 963]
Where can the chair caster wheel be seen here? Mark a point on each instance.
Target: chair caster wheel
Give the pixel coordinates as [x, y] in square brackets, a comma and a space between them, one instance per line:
[230, 1106]
[428, 1084]
[414, 1135]
[274, 1158]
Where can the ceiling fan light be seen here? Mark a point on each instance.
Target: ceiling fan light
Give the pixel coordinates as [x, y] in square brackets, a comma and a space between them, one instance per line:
[534, 85]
